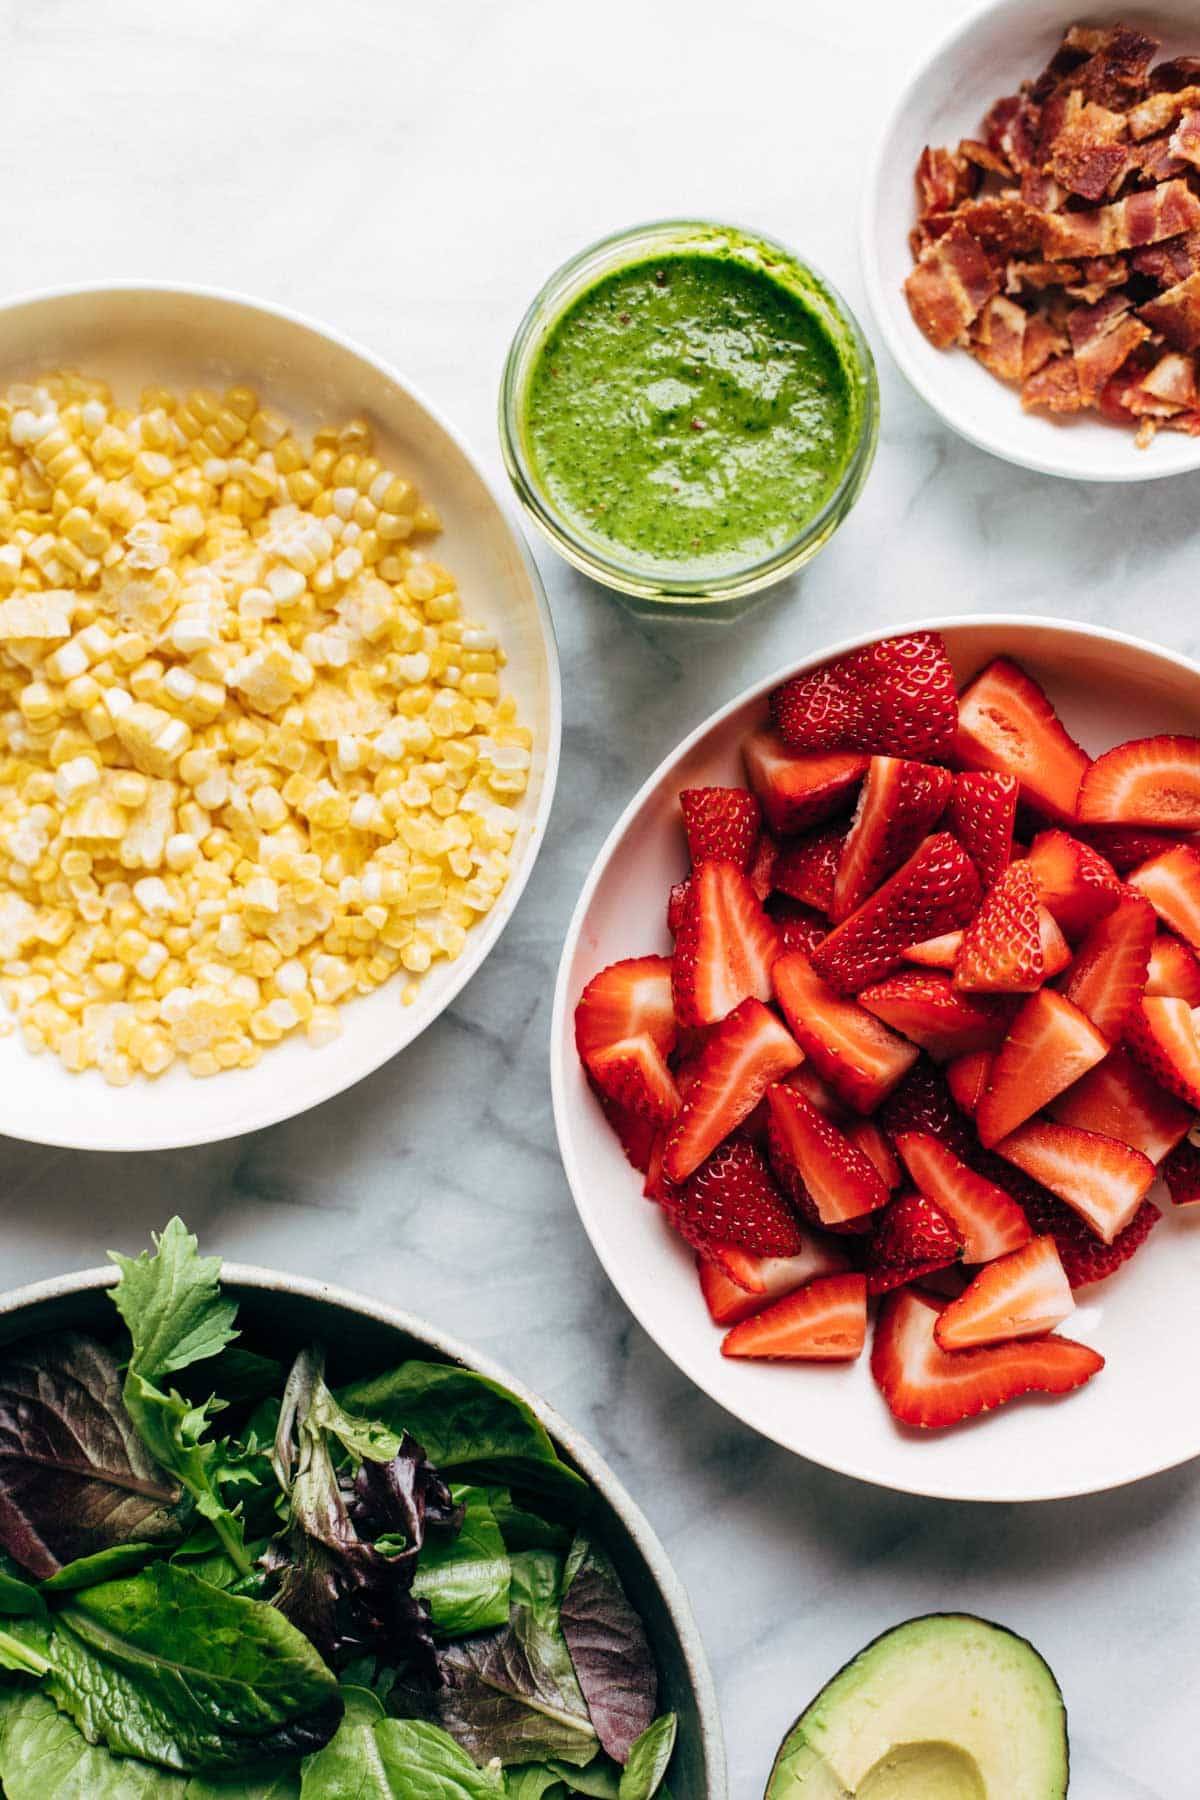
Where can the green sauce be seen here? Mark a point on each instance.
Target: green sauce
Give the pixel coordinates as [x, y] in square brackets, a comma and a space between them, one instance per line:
[692, 409]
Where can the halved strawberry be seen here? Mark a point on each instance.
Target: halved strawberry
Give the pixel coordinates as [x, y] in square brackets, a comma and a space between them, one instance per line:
[1174, 970]
[1023, 1294]
[894, 697]
[814, 1159]
[826, 1321]
[1118, 1099]
[967, 1078]
[1181, 1172]
[1103, 1181]
[798, 927]
[1056, 952]
[1125, 846]
[721, 824]
[1161, 1036]
[1002, 946]
[900, 801]
[739, 1061]
[624, 1000]
[634, 1076]
[1049, 1045]
[637, 1135]
[760, 871]
[1075, 882]
[922, 1102]
[988, 1222]
[1111, 965]
[818, 1093]
[807, 871]
[925, 1385]
[936, 952]
[936, 890]
[866, 1136]
[1006, 723]
[912, 1238]
[732, 1198]
[760, 1279]
[724, 947]
[928, 1008]
[1085, 1257]
[799, 789]
[850, 1050]
[983, 807]
[1171, 883]
[1151, 781]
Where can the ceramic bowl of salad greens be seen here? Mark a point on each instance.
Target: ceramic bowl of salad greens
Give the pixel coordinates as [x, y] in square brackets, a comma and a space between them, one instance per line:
[262, 1539]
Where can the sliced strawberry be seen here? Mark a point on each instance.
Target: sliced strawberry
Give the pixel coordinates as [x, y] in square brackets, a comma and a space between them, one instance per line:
[677, 900]
[899, 803]
[623, 1001]
[853, 1052]
[637, 1135]
[1085, 1257]
[967, 1078]
[922, 1102]
[1118, 1099]
[928, 1009]
[760, 1279]
[1103, 1181]
[797, 927]
[636, 1079]
[656, 1186]
[925, 1385]
[761, 870]
[866, 1136]
[813, 1158]
[936, 952]
[1056, 952]
[739, 1267]
[799, 789]
[983, 808]
[1023, 1294]
[807, 871]
[1125, 846]
[1006, 723]
[826, 1321]
[818, 1093]
[740, 1059]
[732, 1198]
[1161, 1036]
[894, 698]
[1002, 946]
[988, 1222]
[1075, 882]
[912, 1239]
[1151, 781]
[1171, 883]
[1174, 970]
[936, 890]
[1112, 964]
[724, 947]
[1181, 1172]
[1049, 1045]
[721, 824]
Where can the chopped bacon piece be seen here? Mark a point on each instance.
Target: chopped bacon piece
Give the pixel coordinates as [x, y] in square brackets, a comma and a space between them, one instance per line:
[1042, 341]
[1011, 129]
[998, 338]
[983, 156]
[1176, 314]
[1185, 140]
[1170, 387]
[1169, 262]
[1171, 77]
[1184, 421]
[1141, 218]
[1160, 112]
[1003, 223]
[1054, 386]
[1117, 71]
[1087, 155]
[1041, 191]
[949, 286]
[1038, 275]
[1154, 160]
[943, 180]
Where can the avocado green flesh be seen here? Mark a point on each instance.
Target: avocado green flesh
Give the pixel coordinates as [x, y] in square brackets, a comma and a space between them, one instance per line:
[942, 1708]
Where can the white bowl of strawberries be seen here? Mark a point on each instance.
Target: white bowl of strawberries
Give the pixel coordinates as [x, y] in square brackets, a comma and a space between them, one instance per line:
[874, 1049]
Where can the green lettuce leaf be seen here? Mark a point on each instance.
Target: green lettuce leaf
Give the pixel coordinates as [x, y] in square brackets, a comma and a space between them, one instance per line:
[467, 1426]
[373, 1757]
[534, 1781]
[17, 1595]
[105, 1565]
[649, 1759]
[172, 1306]
[465, 1583]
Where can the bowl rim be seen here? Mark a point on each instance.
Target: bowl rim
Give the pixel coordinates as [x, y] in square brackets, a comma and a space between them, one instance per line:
[581, 1451]
[562, 1038]
[901, 346]
[491, 929]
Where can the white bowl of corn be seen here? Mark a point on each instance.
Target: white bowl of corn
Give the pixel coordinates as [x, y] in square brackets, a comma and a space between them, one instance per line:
[279, 716]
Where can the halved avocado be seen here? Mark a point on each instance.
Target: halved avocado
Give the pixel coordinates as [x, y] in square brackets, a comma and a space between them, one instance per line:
[946, 1707]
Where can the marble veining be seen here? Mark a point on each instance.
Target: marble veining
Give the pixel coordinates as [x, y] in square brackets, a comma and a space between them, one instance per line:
[411, 174]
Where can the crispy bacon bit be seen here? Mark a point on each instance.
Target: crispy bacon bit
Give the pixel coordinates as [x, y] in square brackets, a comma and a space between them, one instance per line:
[1176, 314]
[1043, 340]
[1011, 128]
[998, 338]
[1102, 356]
[1186, 421]
[1185, 140]
[1116, 73]
[1099, 275]
[1042, 191]
[985, 158]
[1171, 77]
[943, 180]
[1141, 218]
[1055, 387]
[1170, 387]
[1002, 223]
[1039, 275]
[1153, 160]
[1169, 262]
[1087, 154]
[949, 286]
[1160, 112]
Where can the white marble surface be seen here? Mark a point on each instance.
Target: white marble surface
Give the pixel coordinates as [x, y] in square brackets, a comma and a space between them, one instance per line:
[410, 174]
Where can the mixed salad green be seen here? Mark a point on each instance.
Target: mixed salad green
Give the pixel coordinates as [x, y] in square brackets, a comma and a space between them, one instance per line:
[385, 1592]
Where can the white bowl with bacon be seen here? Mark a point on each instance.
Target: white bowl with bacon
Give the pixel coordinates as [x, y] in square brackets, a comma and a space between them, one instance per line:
[980, 314]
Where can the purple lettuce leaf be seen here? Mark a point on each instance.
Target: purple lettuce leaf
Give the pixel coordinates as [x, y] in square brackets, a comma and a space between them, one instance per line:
[609, 1648]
